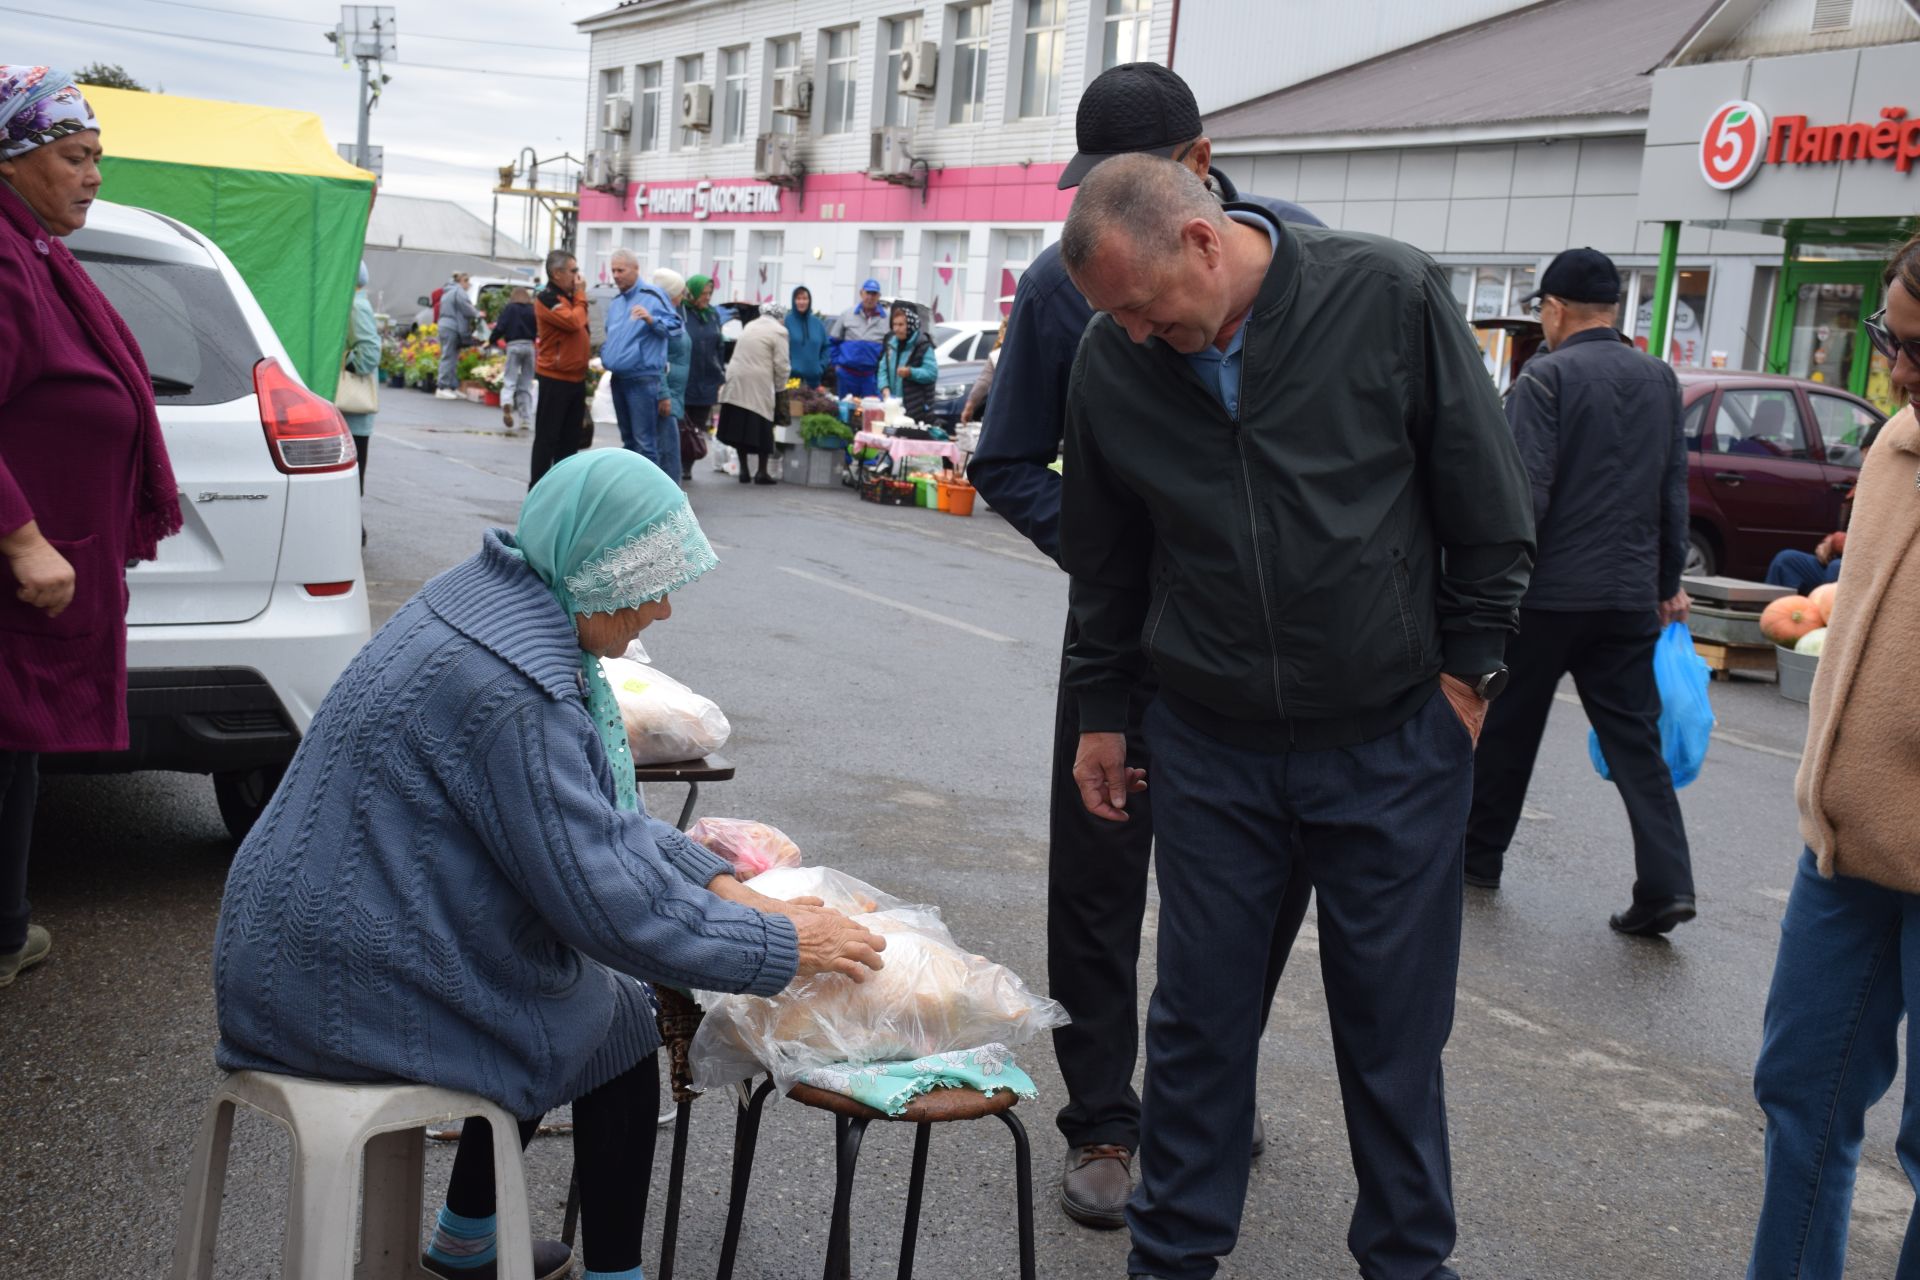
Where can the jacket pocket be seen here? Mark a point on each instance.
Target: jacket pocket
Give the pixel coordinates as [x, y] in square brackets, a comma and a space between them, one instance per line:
[1403, 600]
[97, 584]
[1162, 596]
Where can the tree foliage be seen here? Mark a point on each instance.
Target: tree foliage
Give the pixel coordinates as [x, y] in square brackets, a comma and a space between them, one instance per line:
[109, 75]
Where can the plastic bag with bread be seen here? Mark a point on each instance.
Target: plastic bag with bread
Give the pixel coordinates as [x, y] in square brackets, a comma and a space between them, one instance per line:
[931, 997]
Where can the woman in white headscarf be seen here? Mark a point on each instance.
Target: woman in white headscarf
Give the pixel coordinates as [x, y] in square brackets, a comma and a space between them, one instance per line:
[755, 376]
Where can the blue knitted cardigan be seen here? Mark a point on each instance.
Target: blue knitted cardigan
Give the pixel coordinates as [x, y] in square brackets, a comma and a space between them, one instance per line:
[442, 888]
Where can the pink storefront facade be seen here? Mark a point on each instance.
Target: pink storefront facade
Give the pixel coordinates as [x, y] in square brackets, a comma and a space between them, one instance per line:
[987, 128]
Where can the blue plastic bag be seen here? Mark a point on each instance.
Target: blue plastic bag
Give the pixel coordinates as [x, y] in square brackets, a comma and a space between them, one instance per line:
[1686, 714]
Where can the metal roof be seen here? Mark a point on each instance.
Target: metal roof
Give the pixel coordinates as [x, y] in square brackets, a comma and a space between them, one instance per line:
[440, 226]
[1556, 60]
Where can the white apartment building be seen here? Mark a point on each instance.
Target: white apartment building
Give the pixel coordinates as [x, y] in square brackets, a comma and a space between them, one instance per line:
[775, 143]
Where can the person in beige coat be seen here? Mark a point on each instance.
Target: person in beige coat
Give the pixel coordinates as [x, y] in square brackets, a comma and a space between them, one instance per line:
[756, 374]
[1850, 940]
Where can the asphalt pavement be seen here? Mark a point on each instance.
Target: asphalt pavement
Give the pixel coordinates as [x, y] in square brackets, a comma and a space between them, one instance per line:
[890, 675]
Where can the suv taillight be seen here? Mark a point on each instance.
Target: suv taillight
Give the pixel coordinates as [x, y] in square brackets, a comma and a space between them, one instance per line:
[305, 434]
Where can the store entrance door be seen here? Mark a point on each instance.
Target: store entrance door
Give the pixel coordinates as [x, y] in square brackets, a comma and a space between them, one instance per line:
[1819, 325]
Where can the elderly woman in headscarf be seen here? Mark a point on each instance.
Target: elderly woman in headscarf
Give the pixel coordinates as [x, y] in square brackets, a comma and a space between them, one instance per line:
[755, 378]
[679, 364]
[85, 486]
[706, 365]
[457, 882]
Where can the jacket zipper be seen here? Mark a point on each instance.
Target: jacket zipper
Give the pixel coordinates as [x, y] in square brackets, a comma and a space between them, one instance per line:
[1253, 528]
[1153, 627]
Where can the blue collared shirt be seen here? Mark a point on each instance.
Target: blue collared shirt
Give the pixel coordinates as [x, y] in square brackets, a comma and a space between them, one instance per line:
[637, 348]
[1220, 370]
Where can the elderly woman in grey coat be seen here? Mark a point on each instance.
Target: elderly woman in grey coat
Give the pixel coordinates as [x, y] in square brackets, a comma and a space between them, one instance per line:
[756, 375]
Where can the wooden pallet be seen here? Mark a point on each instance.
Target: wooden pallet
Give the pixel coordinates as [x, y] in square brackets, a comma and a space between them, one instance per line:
[1725, 659]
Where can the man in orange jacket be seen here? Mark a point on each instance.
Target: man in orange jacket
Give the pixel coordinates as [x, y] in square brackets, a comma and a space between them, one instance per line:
[560, 363]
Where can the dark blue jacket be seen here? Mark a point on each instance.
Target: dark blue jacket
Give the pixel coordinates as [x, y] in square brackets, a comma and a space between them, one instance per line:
[809, 350]
[1027, 414]
[1599, 430]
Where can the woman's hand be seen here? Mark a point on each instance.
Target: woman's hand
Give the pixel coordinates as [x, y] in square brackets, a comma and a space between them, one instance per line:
[831, 943]
[45, 577]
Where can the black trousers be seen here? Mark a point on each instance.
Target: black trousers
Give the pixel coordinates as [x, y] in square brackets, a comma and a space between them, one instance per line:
[1610, 655]
[1096, 902]
[557, 416]
[362, 446]
[19, 793]
[613, 1132]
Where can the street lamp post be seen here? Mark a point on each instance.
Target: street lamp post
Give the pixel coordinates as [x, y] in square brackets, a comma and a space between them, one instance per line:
[369, 34]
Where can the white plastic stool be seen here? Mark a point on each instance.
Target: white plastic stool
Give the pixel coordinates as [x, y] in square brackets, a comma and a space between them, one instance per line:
[333, 1126]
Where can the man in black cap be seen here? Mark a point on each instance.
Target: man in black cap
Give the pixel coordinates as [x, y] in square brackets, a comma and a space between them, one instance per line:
[1598, 426]
[1097, 870]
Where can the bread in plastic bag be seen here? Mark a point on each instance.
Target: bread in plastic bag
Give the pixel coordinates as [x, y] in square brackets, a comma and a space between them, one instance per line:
[931, 997]
[751, 848]
[666, 721]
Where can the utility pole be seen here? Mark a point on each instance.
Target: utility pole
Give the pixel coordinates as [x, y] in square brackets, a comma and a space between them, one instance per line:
[369, 35]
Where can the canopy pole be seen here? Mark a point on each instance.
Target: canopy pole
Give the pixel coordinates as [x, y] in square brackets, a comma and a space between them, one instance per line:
[1660, 332]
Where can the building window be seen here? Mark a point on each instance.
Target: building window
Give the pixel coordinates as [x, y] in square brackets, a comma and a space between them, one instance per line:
[782, 55]
[676, 251]
[883, 261]
[1018, 249]
[599, 249]
[1484, 293]
[767, 248]
[1686, 331]
[613, 81]
[969, 84]
[693, 70]
[944, 254]
[733, 95]
[721, 266]
[1124, 32]
[1041, 56]
[843, 51]
[902, 35]
[646, 126]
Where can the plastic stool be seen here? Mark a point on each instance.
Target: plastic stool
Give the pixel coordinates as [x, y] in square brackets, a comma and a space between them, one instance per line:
[334, 1128]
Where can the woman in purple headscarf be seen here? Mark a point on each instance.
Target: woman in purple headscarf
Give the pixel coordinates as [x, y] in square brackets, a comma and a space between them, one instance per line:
[85, 486]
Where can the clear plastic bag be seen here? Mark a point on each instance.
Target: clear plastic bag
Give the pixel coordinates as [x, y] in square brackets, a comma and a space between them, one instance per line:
[751, 847]
[666, 721]
[932, 997]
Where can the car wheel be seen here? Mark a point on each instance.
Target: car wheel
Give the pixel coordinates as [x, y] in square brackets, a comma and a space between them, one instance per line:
[1702, 562]
[243, 796]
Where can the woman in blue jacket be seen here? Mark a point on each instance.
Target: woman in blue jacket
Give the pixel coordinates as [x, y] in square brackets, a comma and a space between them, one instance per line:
[457, 883]
[809, 349]
[908, 365]
[707, 367]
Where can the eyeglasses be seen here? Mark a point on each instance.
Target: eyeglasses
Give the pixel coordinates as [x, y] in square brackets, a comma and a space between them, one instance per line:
[1533, 306]
[1889, 346]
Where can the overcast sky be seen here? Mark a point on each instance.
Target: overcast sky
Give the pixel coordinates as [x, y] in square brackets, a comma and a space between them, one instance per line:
[445, 132]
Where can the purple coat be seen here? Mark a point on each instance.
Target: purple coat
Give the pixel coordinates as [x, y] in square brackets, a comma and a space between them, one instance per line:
[81, 455]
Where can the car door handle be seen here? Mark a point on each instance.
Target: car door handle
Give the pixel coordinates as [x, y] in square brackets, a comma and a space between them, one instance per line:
[1730, 477]
[1841, 486]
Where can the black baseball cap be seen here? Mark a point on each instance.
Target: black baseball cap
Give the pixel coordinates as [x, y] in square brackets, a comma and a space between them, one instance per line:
[1579, 275]
[1134, 107]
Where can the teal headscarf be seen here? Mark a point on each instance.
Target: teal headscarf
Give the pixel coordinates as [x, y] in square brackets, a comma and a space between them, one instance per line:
[609, 530]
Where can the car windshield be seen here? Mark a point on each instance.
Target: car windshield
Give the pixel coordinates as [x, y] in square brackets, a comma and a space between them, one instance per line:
[197, 345]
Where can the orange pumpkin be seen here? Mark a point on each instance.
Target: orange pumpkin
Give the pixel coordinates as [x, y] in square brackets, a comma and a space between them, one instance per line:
[1822, 598]
[1788, 618]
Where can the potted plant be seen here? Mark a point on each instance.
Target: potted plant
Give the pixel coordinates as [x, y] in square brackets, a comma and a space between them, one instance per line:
[392, 367]
[491, 373]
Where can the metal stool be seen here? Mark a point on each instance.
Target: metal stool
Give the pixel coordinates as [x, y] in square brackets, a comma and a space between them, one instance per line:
[851, 1118]
[335, 1128]
[691, 772]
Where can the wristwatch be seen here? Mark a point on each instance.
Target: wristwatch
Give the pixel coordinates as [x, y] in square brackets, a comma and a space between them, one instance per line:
[1490, 685]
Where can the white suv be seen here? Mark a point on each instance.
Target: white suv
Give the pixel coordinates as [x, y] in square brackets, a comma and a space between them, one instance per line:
[236, 632]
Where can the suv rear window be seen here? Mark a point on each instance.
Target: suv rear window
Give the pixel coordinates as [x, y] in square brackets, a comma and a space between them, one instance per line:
[197, 345]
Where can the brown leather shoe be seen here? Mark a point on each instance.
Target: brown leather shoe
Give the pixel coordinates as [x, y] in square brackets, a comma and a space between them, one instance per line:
[1095, 1186]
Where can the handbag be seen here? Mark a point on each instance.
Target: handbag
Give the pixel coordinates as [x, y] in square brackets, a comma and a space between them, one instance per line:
[693, 444]
[357, 392]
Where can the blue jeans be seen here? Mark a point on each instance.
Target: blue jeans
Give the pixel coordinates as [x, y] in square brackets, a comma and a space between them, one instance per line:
[1801, 571]
[1829, 1051]
[643, 428]
[1378, 829]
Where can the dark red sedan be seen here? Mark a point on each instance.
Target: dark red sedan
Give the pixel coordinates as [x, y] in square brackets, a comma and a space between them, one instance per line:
[1773, 460]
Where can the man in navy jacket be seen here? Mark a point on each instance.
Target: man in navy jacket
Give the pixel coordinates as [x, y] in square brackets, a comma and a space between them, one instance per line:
[1097, 870]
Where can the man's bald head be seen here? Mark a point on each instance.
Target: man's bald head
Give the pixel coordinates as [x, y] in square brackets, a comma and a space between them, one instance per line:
[1148, 199]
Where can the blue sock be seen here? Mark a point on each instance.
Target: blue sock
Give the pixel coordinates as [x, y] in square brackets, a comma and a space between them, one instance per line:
[631, 1273]
[462, 1243]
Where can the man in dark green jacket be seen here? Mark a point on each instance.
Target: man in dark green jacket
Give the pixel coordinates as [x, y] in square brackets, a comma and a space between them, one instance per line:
[1290, 490]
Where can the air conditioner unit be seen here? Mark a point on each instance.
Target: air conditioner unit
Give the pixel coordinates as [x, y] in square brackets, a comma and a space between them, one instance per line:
[619, 167]
[696, 107]
[919, 69]
[773, 157]
[616, 115]
[887, 156]
[594, 173]
[792, 94]
[606, 170]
